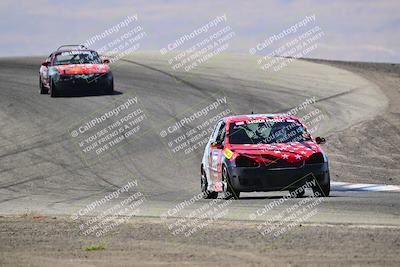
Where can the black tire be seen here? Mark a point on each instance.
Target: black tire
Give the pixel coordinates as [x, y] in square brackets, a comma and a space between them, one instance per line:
[322, 189]
[53, 90]
[231, 192]
[43, 90]
[203, 183]
[299, 194]
[110, 88]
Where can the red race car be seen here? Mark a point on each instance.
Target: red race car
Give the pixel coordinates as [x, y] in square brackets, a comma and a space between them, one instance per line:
[74, 67]
[263, 152]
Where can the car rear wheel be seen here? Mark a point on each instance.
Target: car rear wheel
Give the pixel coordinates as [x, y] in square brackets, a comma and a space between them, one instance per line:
[204, 184]
[43, 90]
[231, 192]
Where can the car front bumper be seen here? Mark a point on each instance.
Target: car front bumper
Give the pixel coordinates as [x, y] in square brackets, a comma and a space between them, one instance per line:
[262, 178]
[76, 82]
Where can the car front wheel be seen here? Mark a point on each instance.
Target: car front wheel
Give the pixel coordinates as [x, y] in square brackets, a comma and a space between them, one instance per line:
[110, 88]
[297, 193]
[231, 192]
[53, 90]
[322, 189]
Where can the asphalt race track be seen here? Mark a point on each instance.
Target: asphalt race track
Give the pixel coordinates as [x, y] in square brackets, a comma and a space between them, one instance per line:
[41, 170]
[48, 184]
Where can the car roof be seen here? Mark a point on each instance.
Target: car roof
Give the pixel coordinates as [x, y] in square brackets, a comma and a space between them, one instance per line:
[69, 50]
[248, 117]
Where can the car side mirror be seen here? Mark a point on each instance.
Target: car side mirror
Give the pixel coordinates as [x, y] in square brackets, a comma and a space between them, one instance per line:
[106, 61]
[45, 64]
[320, 140]
[216, 145]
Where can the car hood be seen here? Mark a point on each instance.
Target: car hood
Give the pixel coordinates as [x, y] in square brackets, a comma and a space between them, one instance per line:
[82, 69]
[290, 152]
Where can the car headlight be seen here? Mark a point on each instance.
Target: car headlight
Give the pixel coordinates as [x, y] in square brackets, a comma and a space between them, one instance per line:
[315, 158]
[243, 161]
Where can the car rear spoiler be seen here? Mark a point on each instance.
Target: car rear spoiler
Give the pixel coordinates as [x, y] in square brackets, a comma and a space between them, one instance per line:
[73, 46]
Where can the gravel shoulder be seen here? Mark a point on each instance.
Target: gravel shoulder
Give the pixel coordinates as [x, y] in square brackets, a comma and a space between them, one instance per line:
[35, 240]
[369, 152]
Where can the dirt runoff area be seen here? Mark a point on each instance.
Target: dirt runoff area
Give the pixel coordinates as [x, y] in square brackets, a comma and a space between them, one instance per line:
[55, 241]
[369, 152]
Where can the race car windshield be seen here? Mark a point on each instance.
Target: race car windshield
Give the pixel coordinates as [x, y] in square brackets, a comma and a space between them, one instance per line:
[267, 132]
[77, 57]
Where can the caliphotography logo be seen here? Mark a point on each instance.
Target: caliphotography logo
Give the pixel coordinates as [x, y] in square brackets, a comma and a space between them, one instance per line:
[197, 133]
